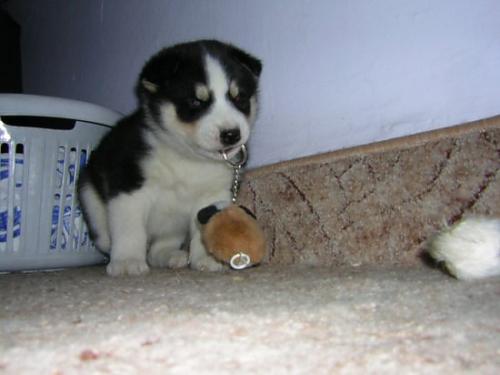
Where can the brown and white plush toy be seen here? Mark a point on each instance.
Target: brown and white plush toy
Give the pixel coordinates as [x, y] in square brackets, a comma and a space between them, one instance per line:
[232, 235]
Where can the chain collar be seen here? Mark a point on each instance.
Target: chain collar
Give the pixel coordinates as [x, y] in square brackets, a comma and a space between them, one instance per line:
[236, 163]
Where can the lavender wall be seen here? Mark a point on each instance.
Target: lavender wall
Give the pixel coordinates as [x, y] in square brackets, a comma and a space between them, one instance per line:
[337, 72]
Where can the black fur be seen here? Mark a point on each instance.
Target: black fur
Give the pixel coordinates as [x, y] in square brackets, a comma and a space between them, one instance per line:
[175, 71]
[113, 167]
[205, 214]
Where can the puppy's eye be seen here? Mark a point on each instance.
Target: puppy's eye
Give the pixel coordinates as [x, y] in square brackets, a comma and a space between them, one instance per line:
[193, 103]
[241, 101]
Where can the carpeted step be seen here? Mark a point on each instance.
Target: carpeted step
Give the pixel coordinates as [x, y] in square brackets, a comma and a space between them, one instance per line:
[376, 204]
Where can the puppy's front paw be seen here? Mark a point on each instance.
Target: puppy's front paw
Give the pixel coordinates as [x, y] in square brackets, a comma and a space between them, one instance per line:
[131, 267]
[206, 263]
[168, 258]
[199, 259]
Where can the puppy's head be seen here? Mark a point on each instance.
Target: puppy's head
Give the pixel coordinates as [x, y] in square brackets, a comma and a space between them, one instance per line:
[201, 95]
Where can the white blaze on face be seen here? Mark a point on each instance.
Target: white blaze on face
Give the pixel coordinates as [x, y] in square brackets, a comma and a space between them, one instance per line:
[222, 115]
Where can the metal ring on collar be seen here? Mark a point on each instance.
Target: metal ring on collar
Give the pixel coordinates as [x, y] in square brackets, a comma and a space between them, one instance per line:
[243, 156]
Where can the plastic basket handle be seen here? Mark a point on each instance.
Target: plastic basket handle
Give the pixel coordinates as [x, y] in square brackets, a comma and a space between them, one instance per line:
[47, 106]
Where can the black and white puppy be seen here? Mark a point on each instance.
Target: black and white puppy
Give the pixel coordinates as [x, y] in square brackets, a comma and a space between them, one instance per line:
[151, 174]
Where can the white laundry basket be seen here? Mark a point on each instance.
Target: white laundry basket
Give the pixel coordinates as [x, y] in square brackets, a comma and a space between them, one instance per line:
[44, 143]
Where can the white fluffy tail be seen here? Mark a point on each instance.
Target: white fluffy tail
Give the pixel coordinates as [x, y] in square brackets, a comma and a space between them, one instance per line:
[470, 249]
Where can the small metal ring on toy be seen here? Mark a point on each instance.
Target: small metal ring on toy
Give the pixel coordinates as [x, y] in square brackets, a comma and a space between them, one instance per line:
[239, 261]
[243, 156]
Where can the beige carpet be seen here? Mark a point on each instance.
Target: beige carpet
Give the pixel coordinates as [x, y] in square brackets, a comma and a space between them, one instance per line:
[272, 319]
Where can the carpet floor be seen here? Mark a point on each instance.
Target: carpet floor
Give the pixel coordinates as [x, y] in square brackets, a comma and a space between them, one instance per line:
[270, 319]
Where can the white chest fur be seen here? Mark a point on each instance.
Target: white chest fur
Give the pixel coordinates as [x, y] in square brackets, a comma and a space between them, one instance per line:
[177, 187]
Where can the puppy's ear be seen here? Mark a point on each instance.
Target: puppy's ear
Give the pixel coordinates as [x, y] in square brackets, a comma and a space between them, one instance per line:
[206, 213]
[158, 71]
[251, 63]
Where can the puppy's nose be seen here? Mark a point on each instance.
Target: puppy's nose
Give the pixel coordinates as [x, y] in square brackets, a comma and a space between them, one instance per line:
[229, 137]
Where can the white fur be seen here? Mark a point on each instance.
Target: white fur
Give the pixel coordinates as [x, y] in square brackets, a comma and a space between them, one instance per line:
[469, 249]
[181, 187]
[127, 227]
[183, 174]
